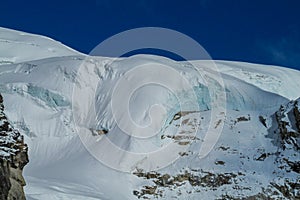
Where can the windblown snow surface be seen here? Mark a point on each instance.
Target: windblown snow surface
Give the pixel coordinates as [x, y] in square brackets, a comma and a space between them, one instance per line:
[37, 81]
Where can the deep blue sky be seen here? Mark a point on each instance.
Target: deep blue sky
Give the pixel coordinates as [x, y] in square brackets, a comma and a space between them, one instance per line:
[260, 31]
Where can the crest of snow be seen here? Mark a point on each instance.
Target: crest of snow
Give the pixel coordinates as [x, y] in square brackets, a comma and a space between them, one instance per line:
[274, 79]
[17, 46]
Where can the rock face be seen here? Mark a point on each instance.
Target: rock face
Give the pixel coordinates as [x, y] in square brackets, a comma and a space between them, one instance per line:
[13, 158]
[288, 119]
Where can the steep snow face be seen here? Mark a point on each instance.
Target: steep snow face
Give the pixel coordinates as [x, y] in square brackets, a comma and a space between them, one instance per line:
[39, 102]
[44, 98]
[17, 46]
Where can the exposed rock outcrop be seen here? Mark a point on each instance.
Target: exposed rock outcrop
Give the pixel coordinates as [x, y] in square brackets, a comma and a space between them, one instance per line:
[287, 131]
[288, 120]
[13, 158]
[195, 178]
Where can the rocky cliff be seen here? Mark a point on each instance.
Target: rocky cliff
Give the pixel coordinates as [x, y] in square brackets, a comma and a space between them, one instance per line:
[288, 119]
[13, 158]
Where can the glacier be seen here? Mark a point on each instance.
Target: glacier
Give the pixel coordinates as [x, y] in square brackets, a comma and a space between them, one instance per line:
[38, 80]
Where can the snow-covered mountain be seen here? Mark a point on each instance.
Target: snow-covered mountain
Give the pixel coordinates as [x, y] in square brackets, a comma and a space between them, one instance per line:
[70, 109]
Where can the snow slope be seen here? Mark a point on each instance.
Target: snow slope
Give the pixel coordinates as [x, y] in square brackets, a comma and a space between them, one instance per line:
[17, 46]
[50, 100]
